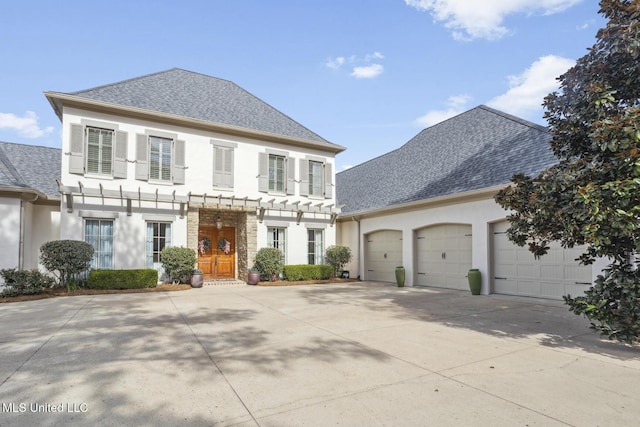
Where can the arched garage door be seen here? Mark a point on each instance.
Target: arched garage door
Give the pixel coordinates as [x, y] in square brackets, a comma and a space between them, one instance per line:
[517, 272]
[383, 253]
[443, 256]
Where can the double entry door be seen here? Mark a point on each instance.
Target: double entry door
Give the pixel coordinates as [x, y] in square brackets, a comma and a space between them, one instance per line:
[217, 252]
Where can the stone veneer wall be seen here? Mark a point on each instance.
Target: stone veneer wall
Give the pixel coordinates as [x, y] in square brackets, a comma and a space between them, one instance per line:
[244, 221]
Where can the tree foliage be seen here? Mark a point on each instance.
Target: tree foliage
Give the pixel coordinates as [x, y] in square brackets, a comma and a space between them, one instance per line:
[338, 257]
[178, 262]
[67, 257]
[592, 195]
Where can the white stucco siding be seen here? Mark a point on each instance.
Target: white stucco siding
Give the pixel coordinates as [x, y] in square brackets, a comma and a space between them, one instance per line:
[129, 232]
[347, 235]
[9, 232]
[199, 148]
[42, 224]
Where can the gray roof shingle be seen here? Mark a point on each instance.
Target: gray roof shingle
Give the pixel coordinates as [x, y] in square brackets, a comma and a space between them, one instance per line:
[30, 167]
[480, 148]
[198, 96]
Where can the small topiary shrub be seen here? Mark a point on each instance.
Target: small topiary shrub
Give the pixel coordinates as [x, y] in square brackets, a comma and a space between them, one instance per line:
[178, 262]
[269, 262]
[67, 257]
[307, 272]
[24, 282]
[123, 279]
[338, 257]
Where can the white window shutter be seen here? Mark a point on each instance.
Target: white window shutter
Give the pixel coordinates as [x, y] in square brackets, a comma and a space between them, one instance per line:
[328, 181]
[142, 157]
[76, 150]
[304, 177]
[291, 176]
[120, 155]
[179, 162]
[228, 167]
[263, 172]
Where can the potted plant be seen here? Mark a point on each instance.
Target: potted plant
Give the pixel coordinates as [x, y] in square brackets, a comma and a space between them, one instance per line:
[197, 279]
[254, 276]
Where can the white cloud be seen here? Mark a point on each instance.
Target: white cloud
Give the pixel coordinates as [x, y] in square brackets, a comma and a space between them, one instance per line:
[469, 20]
[335, 63]
[368, 71]
[26, 126]
[345, 167]
[371, 56]
[527, 90]
[457, 104]
[361, 67]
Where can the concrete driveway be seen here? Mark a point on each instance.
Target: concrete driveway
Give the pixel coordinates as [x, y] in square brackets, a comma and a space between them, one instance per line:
[360, 354]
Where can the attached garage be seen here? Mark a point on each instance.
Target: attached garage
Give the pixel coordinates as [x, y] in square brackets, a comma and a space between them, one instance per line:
[383, 253]
[517, 272]
[443, 256]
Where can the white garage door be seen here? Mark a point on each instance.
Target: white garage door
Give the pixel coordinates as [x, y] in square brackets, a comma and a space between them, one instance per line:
[383, 253]
[517, 272]
[443, 256]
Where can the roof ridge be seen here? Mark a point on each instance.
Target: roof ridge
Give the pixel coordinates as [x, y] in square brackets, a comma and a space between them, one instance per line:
[514, 118]
[132, 79]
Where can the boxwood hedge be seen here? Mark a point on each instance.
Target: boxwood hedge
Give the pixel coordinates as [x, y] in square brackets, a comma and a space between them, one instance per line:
[308, 272]
[122, 279]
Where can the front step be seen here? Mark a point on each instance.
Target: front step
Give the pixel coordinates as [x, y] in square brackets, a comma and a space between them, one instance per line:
[224, 282]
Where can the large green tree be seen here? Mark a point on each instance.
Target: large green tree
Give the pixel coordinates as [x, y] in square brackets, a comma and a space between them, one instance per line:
[592, 195]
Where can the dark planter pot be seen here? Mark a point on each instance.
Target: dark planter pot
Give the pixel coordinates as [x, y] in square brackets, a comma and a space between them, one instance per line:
[253, 278]
[475, 281]
[400, 274]
[197, 280]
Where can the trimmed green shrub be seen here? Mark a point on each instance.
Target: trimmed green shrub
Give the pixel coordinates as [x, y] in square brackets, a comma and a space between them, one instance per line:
[338, 257]
[178, 262]
[307, 272]
[123, 279]
[24, 282]
[67, 257]
[269, 261]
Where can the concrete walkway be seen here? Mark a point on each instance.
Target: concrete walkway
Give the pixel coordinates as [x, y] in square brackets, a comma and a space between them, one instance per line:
[360, 354]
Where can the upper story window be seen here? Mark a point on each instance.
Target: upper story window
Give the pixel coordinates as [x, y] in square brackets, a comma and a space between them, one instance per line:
[316, 178]
[99, 151]
[160, 157]
[276, 173]
[97, 148]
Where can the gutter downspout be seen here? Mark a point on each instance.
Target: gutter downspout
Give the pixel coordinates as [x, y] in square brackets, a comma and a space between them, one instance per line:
[360, 267]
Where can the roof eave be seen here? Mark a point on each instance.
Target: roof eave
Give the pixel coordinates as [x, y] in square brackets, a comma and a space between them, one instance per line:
[481, 193]
[59, 100]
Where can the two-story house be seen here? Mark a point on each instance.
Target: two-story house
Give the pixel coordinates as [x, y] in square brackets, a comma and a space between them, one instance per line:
[184, 159]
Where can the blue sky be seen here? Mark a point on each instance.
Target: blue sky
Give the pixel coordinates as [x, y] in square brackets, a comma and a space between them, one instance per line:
[366, 74]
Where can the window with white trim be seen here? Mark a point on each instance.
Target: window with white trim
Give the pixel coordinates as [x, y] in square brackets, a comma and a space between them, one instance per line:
[99, 151]
[277, 179]
[276, 239]
[160, 158]
[315, 246]
[158, 237]
[316, 179]
[99, 234]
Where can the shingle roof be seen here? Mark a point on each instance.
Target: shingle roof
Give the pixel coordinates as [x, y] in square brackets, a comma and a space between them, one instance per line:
[198, 96]
[477, 149]
[30, 167]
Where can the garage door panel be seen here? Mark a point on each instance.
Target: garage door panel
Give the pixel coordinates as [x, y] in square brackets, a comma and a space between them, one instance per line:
[450, 270]
[383, 253]
[551, 276]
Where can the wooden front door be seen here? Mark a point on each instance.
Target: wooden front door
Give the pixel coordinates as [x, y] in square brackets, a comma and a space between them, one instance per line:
[217, 252]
